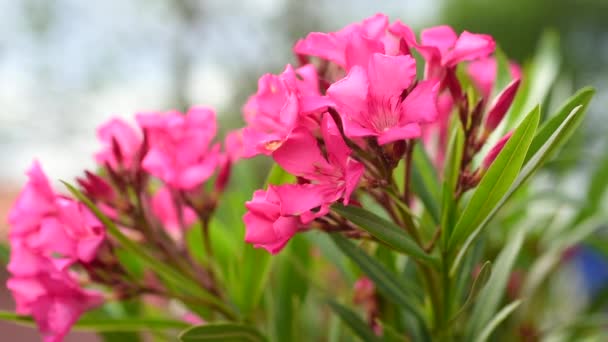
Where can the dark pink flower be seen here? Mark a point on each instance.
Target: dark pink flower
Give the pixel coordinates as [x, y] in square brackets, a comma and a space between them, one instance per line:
[267, 225]
[377, 101]
[53, 226]
[164, 207]
[54, 299]
[121, 144]
[282, 103]
[501, 105]
[334, 174]
[179, 150]
[351, 45]
[495, 151]
[442, 48]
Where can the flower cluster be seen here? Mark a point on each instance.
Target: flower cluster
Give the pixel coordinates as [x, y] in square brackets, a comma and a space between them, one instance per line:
[346, 117]
[150, 183]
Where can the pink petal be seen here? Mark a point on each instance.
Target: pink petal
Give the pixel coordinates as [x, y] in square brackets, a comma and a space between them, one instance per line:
[359, 50]
[421, 104]
[350, 95]
[390, 75]
[441, 37]
[469, 46]
[408, 131]
[299, 198]
[354, 171]
[325, 45]
[483, 74]
[299, 154]
[337, 150]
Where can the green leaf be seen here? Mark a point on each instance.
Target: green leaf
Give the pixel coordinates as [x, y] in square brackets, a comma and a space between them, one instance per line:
[166, 272]
[99, 325]
[389, 284]
[383, 230]
[503, 71]
[221, 332]
[490, 297]
[495, 322]
[581, 98]
[497, 180]
[556, 139]
[5, 253]
[278, 176]
[424, 181]
[539, 79]
[450, 178]
[354, 322]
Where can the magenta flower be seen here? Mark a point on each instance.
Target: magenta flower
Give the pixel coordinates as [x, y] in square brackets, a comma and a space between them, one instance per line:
[334, 175]
[179, 146]
[442, 48]
[348, 46]
[282, 103]
[378, 101]
[49, 233]
[266, 224]
[58, 228]
[165, 209]
[54, 299]
[121, 144]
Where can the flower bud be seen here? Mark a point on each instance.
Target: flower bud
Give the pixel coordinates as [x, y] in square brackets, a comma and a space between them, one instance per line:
[501, 105]
[491, 156]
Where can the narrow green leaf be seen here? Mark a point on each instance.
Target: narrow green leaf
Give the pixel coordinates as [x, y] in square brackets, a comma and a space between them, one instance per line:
[354, 322]
[387, 283]
[166, 272]
[556, 139]
[478, 284]
[495, 322]
[100, 325]
[384, 231]
[221, 332]
[278, 176]
[425, 182]
[450, 178]
[497, 180]
[539, 79]
[581, 98]
[492, 294]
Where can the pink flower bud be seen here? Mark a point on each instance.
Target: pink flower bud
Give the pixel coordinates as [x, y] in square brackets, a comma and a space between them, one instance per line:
[501, 105]
[491, 156]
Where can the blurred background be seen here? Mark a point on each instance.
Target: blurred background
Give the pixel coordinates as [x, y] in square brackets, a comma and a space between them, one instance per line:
[68, 65]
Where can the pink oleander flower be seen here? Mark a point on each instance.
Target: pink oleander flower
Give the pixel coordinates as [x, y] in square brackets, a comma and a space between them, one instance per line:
[121, 144]
[334, 175]
[96, 188]
[495, 151]
[282, 103]
[55, 300]
[442, 48]
[501, 105]
[266, 224]
[164, 208]
[56, 227]
[354, 44]
[179, 150]
[379, 100]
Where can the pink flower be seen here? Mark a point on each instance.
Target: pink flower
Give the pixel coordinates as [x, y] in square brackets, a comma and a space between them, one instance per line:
[58, 228]
[282, 103]
[378, 101]
[164, 208]
[121, 144]
[266, 224]
[495, 151]
[349, 46]
[334, 176]
[234, 145]
[179, 146]
[49, 233]
[501, 105]
[97, 188]
[54, 299]
[442, 48]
